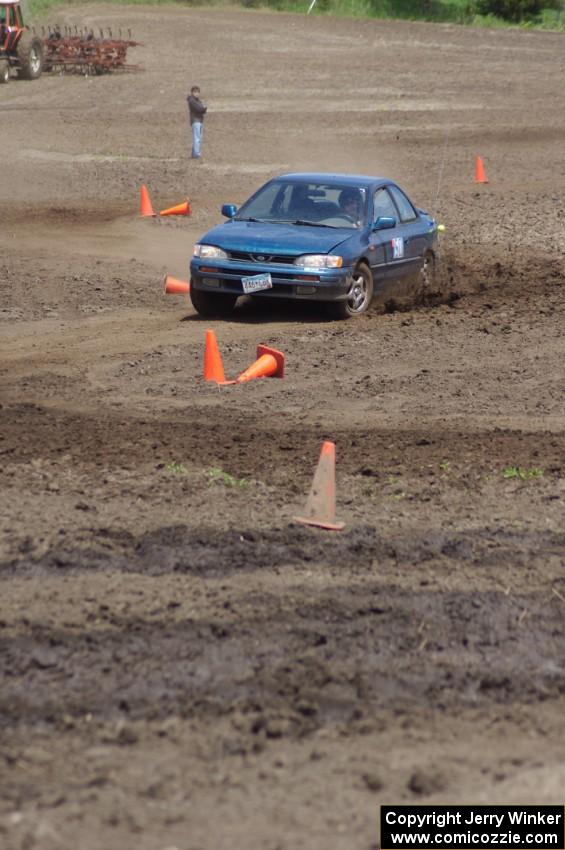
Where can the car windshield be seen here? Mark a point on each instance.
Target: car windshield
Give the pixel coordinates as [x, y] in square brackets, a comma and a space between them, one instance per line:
[320, 204]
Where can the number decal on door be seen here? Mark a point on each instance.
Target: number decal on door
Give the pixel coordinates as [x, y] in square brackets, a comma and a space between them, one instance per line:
[397, 248]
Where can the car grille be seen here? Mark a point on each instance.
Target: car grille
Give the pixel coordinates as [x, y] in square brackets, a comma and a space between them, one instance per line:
[246, 257]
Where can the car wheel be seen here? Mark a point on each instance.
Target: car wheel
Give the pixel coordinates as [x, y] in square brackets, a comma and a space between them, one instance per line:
[428, 274]
[359, 296]
[210, 304]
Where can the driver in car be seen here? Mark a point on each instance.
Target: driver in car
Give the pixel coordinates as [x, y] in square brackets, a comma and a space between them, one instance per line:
[350, 204]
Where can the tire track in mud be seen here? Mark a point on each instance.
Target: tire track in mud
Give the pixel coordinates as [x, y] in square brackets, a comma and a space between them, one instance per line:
[342, 655]
[210, 552]
[89, 440]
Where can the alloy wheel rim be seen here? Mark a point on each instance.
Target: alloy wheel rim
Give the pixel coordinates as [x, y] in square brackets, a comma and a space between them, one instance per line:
[357, 295]
[426, 269]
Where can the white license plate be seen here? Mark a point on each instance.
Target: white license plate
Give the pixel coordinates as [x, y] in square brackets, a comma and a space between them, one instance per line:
[256, 283]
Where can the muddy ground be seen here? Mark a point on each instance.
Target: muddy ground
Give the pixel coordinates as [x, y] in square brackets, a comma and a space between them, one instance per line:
[183, 666]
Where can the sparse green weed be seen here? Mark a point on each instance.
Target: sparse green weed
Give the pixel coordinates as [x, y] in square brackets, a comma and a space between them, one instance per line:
[177, 468]
[445, 465]
[216, 475]
[522, 473]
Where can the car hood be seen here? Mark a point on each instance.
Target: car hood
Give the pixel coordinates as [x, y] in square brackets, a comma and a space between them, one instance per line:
[294, 239]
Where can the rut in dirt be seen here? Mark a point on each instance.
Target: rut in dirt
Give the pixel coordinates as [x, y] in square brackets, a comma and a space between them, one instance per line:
[337, 657]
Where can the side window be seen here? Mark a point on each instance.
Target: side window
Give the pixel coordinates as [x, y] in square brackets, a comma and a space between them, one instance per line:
[407, 211]
[383, 205]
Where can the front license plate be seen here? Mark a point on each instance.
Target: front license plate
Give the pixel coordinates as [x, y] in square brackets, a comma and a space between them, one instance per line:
[256, 283]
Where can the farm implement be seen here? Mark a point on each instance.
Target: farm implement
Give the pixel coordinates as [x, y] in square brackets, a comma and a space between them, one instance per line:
[26, 55]
[85, 53]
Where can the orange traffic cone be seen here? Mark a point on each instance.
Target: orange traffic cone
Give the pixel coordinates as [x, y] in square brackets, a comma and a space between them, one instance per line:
[173, 286]
[269, 363]
[480, 176]
[213, 366]
[320, 504]
[180, 209]
[146, 207]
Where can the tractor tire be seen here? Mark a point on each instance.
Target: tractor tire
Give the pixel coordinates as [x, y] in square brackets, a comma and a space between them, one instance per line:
[4, 72]
[30, 55]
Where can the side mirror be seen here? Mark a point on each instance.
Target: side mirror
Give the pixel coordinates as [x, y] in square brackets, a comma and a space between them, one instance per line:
[229, 210]
[384, 222]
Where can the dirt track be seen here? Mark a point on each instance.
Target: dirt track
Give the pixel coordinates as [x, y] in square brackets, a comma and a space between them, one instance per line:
[182, 665]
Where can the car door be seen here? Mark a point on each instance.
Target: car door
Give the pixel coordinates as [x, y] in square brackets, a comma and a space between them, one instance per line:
[391, 260]
[415, 234]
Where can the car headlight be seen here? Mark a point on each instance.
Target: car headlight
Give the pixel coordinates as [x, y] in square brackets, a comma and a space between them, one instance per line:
[319, 261]
[207, 252]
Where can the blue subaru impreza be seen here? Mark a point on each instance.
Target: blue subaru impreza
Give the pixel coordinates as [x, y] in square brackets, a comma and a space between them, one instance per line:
[337, 238]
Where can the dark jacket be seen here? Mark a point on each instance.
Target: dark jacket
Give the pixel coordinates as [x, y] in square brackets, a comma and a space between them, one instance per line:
[196, 108]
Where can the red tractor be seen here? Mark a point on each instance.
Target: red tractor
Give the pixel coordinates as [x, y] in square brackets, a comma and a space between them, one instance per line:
[20, 50]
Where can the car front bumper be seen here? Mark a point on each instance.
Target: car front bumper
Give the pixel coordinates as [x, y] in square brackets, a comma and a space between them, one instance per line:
[288, 281]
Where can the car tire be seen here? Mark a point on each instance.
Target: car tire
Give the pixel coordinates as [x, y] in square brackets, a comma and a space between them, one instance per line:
[428, 275]
[30, 56]
[212, 304]
[4, 72]
[359, 296]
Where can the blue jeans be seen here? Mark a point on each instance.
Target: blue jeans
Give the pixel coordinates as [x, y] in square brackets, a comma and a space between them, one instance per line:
[196, 139]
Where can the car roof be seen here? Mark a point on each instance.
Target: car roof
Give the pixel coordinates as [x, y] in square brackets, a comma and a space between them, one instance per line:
[360, 180]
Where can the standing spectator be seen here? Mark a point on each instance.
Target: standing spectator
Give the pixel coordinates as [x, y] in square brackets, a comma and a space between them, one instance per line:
[197, 111]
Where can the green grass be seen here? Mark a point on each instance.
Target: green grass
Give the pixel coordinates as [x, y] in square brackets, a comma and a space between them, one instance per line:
[440, 11]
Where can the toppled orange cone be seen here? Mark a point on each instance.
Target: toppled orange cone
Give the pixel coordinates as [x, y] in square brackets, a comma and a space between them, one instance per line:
[173, 286]
[269, 364]
[146, 208]
[320, 504]
[213, 366]
[480, 176]
[179, 209]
